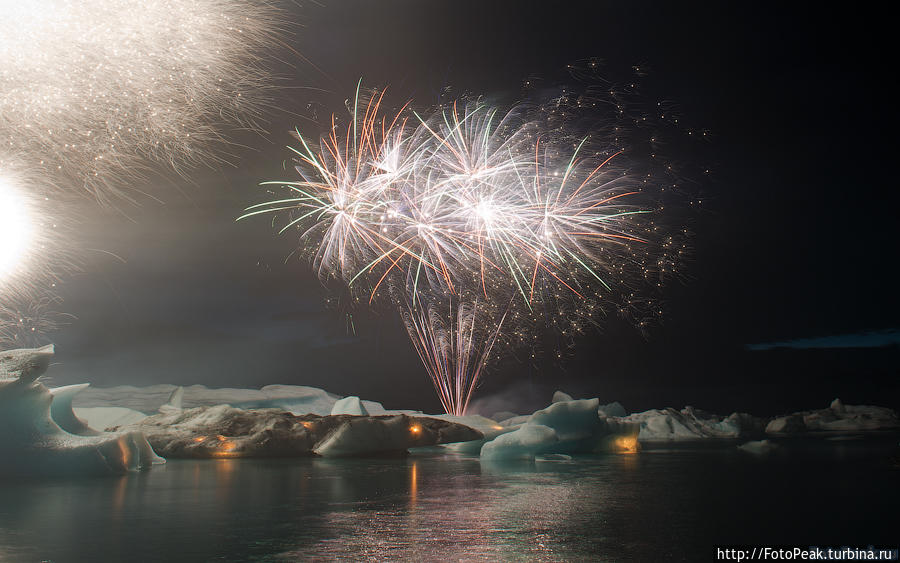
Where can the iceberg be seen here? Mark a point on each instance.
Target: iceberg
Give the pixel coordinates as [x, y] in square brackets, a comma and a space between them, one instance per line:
[223, 431]
[296, 399]
[525, 442]
[38, 437]
[565, 427]
[838, 418]
[664, 425]
[573, 420]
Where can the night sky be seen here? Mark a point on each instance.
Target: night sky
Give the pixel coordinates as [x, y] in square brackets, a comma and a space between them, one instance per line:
[796, 239]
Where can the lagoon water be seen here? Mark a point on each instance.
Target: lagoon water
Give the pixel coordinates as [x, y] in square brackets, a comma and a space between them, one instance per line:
[671, 503]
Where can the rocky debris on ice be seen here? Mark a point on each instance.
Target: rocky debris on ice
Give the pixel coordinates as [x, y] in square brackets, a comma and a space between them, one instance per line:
[226, 431]
[41, 435]
[836, 418]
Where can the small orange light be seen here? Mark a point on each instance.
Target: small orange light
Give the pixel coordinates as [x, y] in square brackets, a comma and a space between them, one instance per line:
[199, 439]
[415, 429]
[627, 444]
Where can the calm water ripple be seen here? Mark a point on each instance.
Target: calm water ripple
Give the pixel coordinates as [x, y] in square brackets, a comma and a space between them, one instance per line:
[660, 504]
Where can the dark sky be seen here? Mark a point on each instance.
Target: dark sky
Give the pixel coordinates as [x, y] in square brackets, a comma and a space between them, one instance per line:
[797, 240]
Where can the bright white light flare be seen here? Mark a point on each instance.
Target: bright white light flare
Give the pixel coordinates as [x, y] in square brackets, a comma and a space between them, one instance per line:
[16, 230]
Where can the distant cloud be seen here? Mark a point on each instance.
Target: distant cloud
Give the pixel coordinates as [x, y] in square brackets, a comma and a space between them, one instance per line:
[871, 339]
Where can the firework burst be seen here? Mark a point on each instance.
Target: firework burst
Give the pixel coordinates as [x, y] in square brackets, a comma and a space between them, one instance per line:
[479, 225]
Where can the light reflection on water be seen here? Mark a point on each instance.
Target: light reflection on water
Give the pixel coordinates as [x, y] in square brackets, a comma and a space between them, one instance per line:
[673, 504]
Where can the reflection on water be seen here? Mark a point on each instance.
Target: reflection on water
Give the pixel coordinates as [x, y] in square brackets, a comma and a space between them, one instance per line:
[673, 504]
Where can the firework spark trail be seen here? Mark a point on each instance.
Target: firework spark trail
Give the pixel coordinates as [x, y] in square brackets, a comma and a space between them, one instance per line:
[90, 88]
[454, 339]
[452, 213]
[24, 326]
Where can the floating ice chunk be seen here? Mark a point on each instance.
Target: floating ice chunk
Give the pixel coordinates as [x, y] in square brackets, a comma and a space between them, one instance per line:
[785, 425]
[32, 443]
[349, 405]
[524, 443]
[553, 457]
[758, 447]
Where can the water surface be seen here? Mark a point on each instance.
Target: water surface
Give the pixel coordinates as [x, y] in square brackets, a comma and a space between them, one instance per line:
[670, 503]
